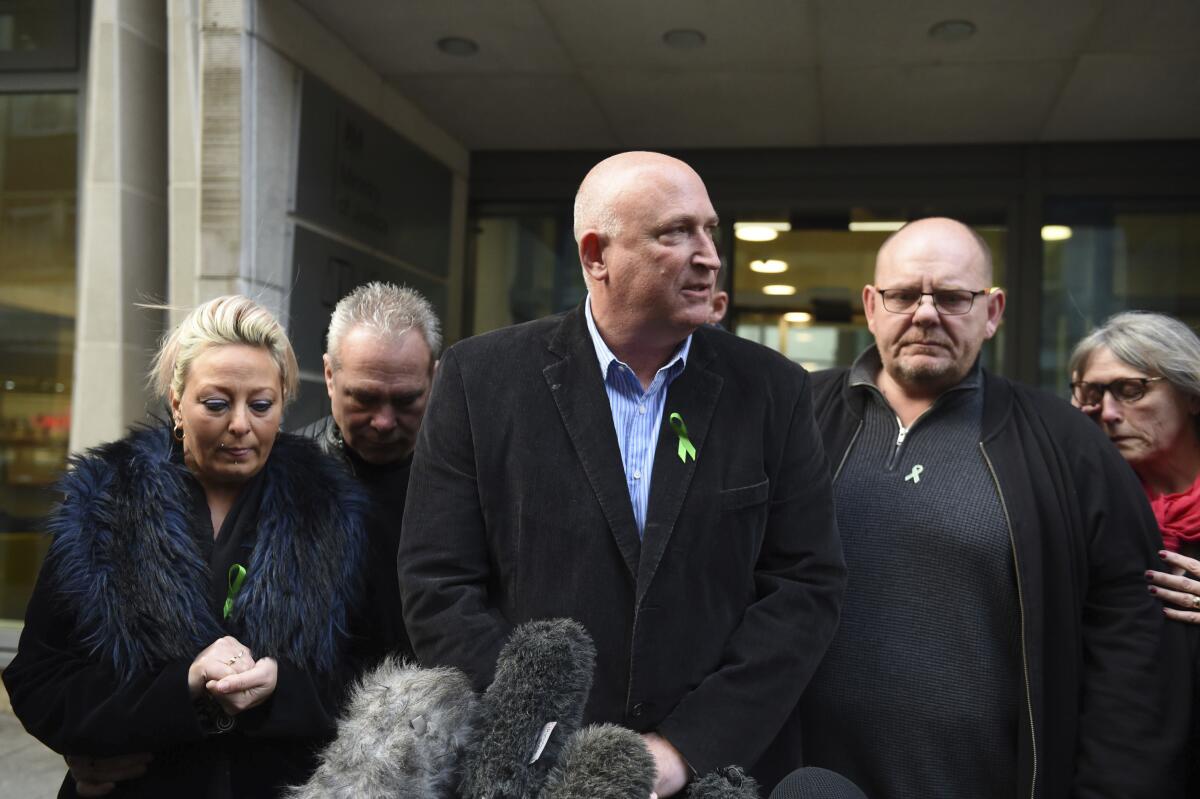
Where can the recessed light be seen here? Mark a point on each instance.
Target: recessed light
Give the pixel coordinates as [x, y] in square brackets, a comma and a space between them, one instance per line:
[875, 227]
[1055, 232]
[798, 317]
[952, 30]
[684, 39]
[458, 46]
[779, 290]
[760, 231]
[771, 267]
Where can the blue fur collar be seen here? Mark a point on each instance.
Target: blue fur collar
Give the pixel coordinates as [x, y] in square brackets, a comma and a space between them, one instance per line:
[125, 562]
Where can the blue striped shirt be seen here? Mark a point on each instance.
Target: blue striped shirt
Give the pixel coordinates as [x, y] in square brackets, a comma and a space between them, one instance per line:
[636, 414]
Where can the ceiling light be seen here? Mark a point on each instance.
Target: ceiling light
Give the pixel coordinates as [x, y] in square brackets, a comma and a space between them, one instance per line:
[952, 30]
[1055, 232]
[771, 267]
[875, 227]
[798, 317]
[684, 39]
[779, 290]
[760, 231]
[457, 45]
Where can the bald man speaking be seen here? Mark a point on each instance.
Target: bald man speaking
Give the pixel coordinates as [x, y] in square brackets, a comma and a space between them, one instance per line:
[628, 466]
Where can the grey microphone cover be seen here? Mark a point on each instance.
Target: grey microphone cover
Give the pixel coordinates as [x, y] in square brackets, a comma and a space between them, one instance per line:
[403, 733]
[725, 783]
[602, 761]
[543, 676]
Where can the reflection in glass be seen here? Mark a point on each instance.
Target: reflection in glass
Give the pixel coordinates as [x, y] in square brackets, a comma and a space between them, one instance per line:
[822, 323]
[1120, 256]
[526, 267]
[38, 143]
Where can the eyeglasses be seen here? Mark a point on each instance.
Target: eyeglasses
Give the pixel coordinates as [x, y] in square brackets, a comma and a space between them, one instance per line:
[951, 302]
[1125, 390]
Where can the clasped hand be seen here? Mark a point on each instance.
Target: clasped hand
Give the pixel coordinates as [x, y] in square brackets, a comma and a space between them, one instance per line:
[227, 670]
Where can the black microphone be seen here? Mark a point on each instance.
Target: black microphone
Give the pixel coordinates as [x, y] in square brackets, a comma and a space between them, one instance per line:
[724, 783]
[403, 733]
[602, 761]
[816, 783]
[536, 702]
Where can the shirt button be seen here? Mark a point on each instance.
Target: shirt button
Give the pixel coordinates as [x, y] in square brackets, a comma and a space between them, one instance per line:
[641, 409]
[638, 710]
[637, 474]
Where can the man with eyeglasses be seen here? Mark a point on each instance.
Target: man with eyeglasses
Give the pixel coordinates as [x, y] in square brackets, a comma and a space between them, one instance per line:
[997, 639]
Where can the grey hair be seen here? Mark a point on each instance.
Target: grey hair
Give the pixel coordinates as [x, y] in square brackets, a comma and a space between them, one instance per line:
[386, 309]
[1154, 343]
[593, 212]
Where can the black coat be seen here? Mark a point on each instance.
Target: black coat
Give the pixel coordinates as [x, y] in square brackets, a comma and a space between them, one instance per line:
[709, 629]
[1107, 679]
[381, 632]
[122, 607]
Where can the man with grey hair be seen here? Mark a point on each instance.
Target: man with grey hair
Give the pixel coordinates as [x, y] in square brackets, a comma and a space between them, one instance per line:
[628, 466]
[380, 358]
[997, 638]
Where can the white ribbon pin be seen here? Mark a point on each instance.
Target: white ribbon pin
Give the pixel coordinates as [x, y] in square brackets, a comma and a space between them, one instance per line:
[915, 474]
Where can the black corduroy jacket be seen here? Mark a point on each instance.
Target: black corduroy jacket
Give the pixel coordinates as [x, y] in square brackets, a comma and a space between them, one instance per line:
[709, 626]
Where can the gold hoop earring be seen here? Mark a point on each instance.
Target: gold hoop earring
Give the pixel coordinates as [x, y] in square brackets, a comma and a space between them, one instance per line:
[177, 431]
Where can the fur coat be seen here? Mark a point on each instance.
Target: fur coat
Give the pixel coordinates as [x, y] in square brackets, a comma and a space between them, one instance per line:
[122, 608]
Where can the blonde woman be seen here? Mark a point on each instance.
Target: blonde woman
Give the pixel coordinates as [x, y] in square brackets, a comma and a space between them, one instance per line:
[196, 598]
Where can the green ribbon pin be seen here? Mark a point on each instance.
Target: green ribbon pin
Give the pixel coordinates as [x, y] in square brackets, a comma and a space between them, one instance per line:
[237, 576]
[685, 444]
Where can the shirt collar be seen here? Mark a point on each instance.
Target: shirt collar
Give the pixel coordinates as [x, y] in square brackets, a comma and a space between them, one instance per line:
[867, 366]
[606, 358]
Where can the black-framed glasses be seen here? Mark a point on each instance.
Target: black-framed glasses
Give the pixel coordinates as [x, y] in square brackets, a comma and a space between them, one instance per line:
[1125, 390]
[951, 302]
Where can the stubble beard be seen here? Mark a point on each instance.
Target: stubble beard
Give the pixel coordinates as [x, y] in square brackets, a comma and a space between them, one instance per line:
[929, 376]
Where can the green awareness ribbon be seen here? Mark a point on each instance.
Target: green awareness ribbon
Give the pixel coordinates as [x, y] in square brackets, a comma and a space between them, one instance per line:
[237, 576]
[685, 444]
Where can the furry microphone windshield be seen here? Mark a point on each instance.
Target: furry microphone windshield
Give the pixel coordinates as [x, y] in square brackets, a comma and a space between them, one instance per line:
[403, 734]
[725, 783]
[602, 761]
[543, 676]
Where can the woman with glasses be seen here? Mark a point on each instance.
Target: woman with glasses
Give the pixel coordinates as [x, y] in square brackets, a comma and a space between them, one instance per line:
[1138, 377]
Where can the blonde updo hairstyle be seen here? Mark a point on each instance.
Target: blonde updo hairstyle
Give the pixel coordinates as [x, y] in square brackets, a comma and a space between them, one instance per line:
[232, 319]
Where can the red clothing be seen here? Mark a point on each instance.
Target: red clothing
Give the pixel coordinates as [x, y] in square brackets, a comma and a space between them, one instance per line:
[1178, 514]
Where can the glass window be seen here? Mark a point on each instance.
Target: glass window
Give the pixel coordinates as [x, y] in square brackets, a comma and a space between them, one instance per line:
[1101, 257]
[800, 291]
[38, 146]
[526, 267]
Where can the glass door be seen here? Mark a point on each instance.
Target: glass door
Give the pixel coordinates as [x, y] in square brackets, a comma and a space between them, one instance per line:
[798, 277]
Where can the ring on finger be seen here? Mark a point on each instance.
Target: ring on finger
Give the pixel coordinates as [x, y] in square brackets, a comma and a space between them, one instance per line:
[1196, 602]
[238, 656]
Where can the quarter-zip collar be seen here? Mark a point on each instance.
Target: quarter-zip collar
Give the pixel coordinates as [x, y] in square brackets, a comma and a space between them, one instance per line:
[863, 378]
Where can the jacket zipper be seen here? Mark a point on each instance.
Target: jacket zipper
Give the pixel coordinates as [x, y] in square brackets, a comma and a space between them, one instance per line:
[1021, 606]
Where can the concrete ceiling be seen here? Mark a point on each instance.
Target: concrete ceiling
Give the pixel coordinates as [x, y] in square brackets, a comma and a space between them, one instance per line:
[566, 74]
